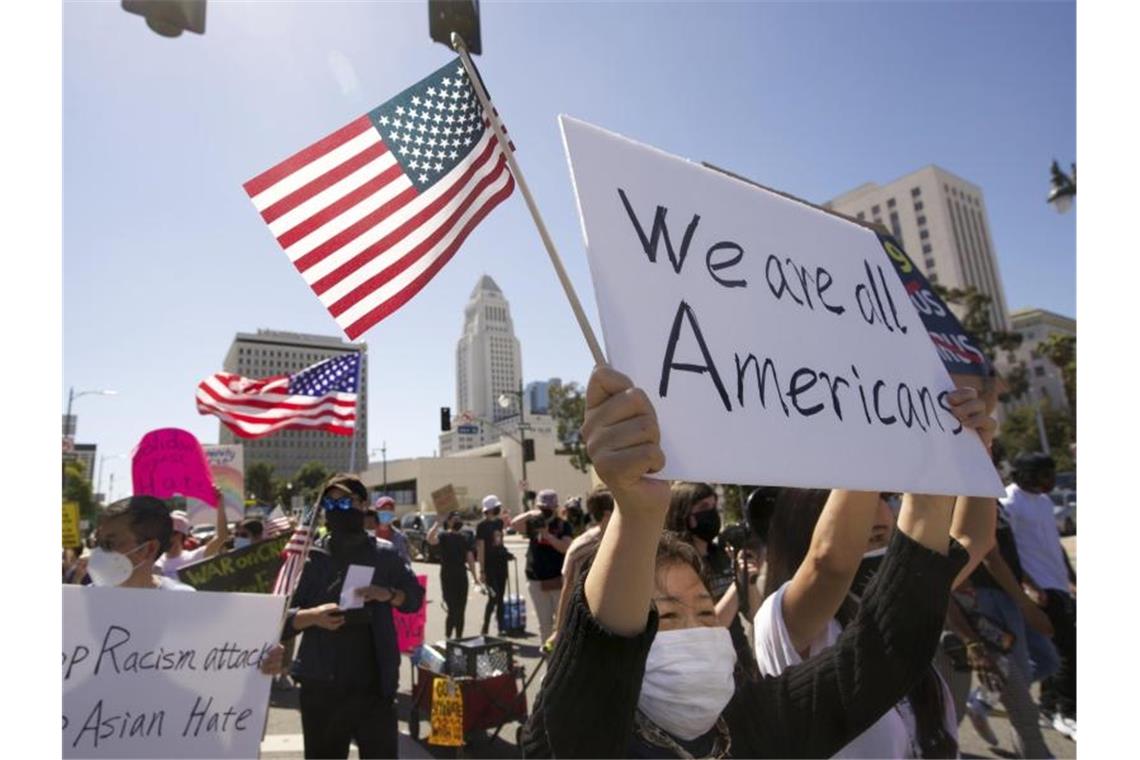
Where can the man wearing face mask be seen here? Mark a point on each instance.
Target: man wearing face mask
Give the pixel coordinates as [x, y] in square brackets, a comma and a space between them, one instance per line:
[248, 532]
[348, 661]
[176, 557]
[132, 533]
[386, 529]
[493, 558]
[550, 538]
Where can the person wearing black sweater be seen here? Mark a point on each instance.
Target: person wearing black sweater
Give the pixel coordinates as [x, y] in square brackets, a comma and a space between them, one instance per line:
[675, 693]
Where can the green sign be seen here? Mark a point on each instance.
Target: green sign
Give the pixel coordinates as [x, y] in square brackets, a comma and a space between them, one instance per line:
[251, 569]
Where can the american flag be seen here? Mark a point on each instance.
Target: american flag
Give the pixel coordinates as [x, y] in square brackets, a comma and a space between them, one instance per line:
[320, 397]
[371, 213]
[276, 523]
[294, 554]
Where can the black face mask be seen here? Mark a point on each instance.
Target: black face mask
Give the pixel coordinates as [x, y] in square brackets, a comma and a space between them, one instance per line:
[346, 526]
[547, 513]
[494, 512]
[868, 567]
[456, 525]
[708, 524]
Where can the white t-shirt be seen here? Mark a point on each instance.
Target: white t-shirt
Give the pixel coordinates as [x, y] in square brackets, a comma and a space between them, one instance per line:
[1038, 541]
[169, 566]
[894, 735]
[166, 584]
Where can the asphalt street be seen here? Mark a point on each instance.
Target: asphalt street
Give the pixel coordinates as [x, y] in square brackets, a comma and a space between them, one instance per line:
[283, 739]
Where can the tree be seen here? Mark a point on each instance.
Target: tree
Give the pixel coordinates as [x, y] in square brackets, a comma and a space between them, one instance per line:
[259, 481]
[77, 488]
[309, 479]
[568, 408]
[1019, 433]
[1061, 350]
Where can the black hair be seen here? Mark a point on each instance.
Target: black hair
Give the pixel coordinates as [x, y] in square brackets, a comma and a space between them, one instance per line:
[681, 500]
[254, 526]
[148, 518]
[598, 502]
[794, 517]
[1030, 469]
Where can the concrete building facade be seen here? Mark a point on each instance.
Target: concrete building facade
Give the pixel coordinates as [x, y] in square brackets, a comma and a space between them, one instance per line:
[942, 223]
[1035, 325]
[272, 352]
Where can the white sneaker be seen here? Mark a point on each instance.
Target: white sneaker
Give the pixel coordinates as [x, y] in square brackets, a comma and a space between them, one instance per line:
[1066, 726]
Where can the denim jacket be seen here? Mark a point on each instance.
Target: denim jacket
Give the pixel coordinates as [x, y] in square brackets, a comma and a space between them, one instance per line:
[321, 582]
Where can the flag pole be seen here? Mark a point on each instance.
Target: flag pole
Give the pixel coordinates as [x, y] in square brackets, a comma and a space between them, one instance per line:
[359, 393]
[587, 331]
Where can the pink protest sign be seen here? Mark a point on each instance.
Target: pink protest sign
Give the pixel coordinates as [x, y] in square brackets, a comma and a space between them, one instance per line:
[410, 626]
[170, 462]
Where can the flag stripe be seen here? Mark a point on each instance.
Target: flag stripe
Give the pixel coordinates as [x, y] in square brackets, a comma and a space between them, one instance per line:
[267, 416]
[353, 199]
[288, 170]
[250, 430]
[218, 389]
[402, 296]
[418, 221]
[363, 161]
[443, 231]
[340, 232]
[268, 419]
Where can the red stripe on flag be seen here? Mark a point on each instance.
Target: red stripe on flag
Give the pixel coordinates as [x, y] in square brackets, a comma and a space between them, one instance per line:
[241, 400]
[271, 177]
[414, 255]
[338, 207]
[253, 418]
[347, 235]
[323, 182]
[405, 229]
[380, 312]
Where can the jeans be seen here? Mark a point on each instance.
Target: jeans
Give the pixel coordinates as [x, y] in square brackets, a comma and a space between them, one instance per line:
[454, 583]
[1033, 652]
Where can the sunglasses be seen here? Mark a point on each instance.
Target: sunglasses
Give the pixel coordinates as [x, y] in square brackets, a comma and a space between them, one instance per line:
[339, 504]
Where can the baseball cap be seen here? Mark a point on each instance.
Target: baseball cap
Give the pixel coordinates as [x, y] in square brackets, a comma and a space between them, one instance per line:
[181, 522]
[548, 498]
[350, 483]
[490, 502]
[385, 502]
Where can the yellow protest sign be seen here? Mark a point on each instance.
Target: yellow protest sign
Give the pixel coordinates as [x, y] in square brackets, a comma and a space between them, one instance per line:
[446, 714]
[71, 524]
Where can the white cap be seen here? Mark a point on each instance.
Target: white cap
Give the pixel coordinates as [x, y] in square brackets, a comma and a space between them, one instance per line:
[490, 502]
[181, 522]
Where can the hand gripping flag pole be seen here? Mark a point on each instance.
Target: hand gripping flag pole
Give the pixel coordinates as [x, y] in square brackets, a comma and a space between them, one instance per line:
[473, 75]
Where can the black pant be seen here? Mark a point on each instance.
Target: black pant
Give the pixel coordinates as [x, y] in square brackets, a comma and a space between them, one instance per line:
[455, 597]
[496, 588]
[331, 717]
[1059, 691]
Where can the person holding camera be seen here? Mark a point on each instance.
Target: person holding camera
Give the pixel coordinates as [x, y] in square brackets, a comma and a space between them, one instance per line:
[550, 538]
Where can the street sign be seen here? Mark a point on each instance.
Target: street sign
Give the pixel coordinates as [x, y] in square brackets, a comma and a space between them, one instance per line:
[468, 429]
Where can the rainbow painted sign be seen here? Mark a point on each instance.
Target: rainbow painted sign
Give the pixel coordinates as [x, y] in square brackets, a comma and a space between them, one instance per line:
[227, 468]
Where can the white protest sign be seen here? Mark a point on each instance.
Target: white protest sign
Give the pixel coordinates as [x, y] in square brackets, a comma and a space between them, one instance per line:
[775, 341]
[227, 468]
[154, 673]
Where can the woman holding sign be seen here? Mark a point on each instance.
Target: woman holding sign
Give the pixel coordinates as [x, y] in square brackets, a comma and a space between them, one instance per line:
[645, 663]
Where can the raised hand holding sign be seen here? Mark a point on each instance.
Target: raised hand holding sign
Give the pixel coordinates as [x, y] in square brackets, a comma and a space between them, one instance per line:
[170, 462]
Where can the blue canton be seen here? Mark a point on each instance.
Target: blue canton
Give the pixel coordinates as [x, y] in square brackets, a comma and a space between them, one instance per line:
[431, 126]
[338, 375]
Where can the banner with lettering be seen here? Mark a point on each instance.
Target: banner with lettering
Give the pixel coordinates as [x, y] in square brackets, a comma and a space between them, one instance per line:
[150, 673]
[251, 569]
[170, 462]
[227, 468]
[410, 625]
[775, 341]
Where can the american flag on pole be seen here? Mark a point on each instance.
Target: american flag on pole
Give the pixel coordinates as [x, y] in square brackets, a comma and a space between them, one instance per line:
[320, 397]
[276, 523]
[294, 554]
[371, 213]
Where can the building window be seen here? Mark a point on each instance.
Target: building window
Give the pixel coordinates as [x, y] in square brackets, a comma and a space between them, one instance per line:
[926, 248]
[924, 234]
[922, 220]
[933, 278]
[890, 202]
[915, 192]
[918, 206]
[860, 216]
[875, 210]
[929, 265]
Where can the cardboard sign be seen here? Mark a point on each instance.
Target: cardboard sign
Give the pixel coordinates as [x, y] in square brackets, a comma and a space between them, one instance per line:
[227, 469]
[71, 537]
[444, 499]
[252, 569]
[775, 340]
[446, 713]
[151, 673]
[170, 462]
[410, 625]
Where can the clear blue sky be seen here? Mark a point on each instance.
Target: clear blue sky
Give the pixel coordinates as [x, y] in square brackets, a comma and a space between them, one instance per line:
[165, 258]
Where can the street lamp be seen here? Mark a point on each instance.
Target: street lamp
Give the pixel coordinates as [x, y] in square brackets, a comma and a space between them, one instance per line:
[1064, 188]
[68, 423]
[384, 464]
[99, 477]
[505, 403]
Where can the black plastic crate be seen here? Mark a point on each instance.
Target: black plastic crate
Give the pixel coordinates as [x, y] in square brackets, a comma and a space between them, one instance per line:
[479, 657]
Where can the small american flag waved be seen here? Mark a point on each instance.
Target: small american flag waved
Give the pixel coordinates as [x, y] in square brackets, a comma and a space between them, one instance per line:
[371, 213]
[276, 523]
[320, 397]
[294, 554]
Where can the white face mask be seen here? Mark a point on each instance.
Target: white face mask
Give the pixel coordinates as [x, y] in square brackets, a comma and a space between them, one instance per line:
[688, 680]
[110, 568]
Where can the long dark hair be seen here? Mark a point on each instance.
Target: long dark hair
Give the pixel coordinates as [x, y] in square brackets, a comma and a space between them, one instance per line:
[682, 498]
[793, 521]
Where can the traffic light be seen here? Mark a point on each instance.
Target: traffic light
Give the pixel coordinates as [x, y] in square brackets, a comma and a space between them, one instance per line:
[170, 17]
[461, 16]
[528, 450]
[445, 418]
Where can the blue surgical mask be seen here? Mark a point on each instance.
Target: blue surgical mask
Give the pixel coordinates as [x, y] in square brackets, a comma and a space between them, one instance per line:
[386, 518]
[240, 542]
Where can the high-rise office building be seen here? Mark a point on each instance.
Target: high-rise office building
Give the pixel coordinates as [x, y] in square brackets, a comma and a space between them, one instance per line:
[1045, 379]
[488, 364]
[942, 223]
[270, 352]
[538, 395]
